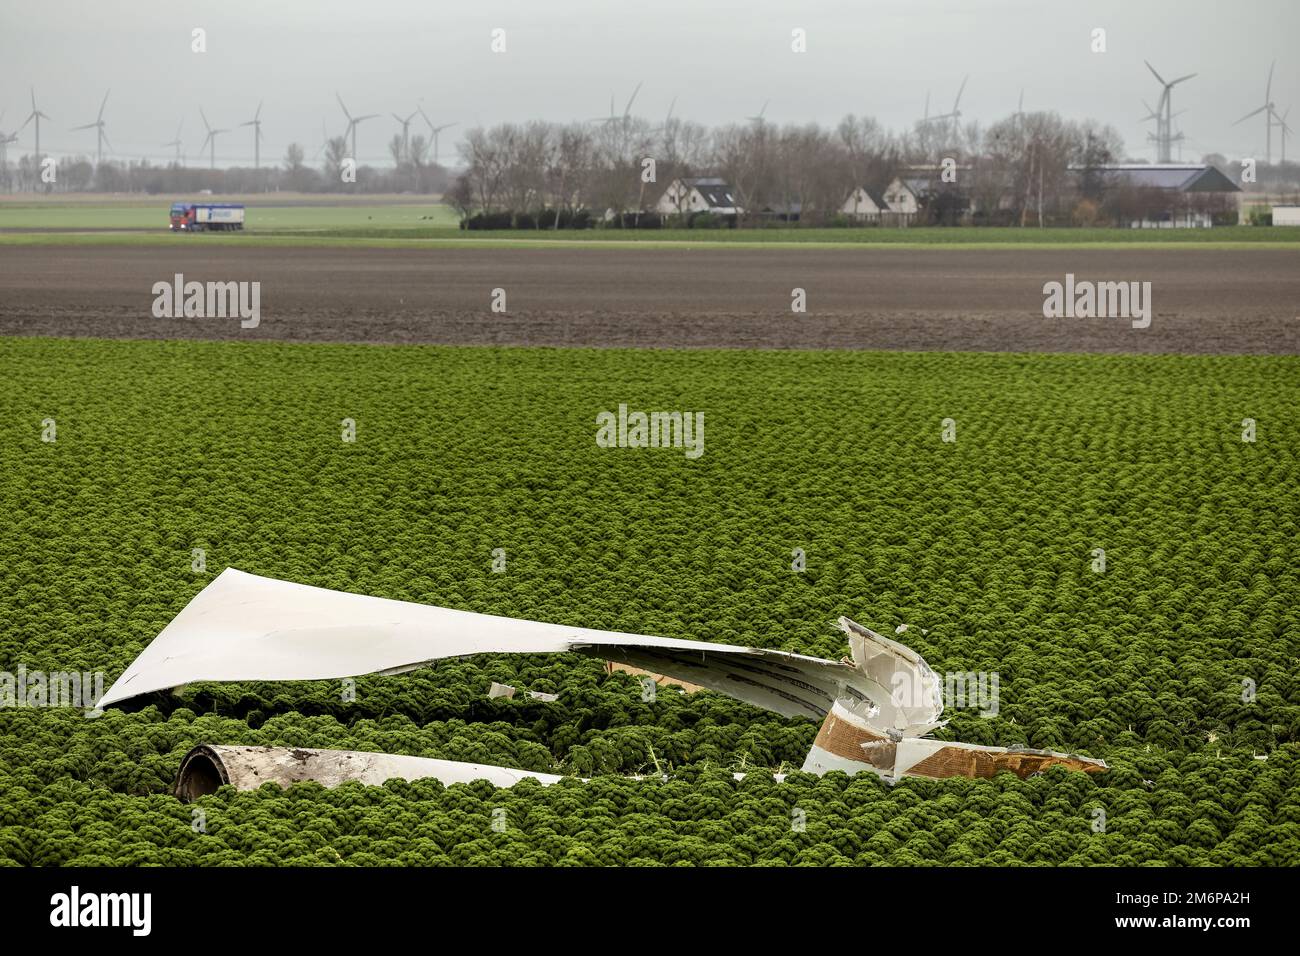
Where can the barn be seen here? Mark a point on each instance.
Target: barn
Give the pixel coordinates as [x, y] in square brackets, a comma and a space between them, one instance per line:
[1168, 195]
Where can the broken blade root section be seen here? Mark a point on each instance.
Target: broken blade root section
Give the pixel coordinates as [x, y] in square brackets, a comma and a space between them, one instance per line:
[846, 742]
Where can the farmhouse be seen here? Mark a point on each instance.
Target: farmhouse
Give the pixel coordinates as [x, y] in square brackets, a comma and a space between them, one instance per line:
[699, 194]
[864, 205]
[901, 197]
[1168, 195]
[896, 205]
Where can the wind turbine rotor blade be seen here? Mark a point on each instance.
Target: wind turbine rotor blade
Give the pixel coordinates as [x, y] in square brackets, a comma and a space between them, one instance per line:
[106, 141]
[1249, 115]
[1268, 89]
[628, 109]
[1155, 74]
[258, 114]
[102, 105]
[206, 124]
[961, 89]
[87, 126]
[342, 107]
[1181, 78]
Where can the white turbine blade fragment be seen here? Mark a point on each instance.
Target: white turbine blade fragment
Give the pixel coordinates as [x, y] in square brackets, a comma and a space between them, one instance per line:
[899, 682]
[209, 766]
[243, 627]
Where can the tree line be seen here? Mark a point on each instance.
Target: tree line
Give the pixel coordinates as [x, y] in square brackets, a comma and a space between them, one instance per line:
[413, 171]
[1018, 170]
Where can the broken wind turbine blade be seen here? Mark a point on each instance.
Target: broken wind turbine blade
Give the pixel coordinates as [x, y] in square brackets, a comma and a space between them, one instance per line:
[875, 709]
[209, 766]
[243, 627]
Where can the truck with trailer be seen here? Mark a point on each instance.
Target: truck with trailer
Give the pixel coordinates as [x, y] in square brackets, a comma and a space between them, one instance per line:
[205, 216]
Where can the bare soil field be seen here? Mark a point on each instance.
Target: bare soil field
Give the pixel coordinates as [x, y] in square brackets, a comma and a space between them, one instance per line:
[1204, 301]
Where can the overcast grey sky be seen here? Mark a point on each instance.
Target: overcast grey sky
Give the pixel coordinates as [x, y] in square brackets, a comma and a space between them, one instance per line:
[720, 58]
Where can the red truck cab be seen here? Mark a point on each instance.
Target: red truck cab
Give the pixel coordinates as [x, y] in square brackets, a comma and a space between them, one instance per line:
[182, 217]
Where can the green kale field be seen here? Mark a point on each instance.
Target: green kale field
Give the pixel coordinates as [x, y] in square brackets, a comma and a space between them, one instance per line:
[1176, 662]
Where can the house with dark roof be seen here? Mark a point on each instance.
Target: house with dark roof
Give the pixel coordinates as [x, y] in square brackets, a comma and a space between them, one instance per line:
[691, 195]
[1166, 195]
[895, 205]
[903, 197]
[864, 205]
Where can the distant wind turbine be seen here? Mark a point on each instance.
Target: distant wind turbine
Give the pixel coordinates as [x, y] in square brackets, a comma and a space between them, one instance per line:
[434, 131]
[667, 119]
[211, 140]
[612, 118]
[1164, 128]
[37, 115]
[1270, 119]
[406, 128]
[5, 140]
[256, 123]
[177, 141]
[353, 123]
[955, 114]
[324, 140]
[100, 136]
